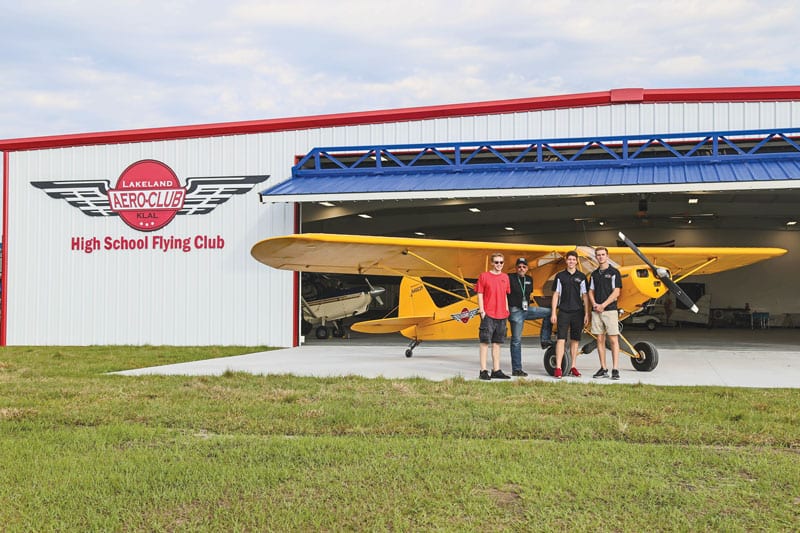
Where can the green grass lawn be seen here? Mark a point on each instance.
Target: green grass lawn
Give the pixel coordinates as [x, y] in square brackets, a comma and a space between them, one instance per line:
[84, 450]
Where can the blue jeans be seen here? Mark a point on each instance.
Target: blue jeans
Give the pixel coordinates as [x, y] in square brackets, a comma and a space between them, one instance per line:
[517, 320]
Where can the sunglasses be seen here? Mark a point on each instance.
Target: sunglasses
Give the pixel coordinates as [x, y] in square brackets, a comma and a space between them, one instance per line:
[498, 262]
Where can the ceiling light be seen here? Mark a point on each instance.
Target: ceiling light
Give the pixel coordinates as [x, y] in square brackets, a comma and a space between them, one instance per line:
[602, 223]
[326, 204]
[509, 228]
[693, 200]
[420, 233]
[474, 210]
[589, 202]
[364, 215]
[791, 223]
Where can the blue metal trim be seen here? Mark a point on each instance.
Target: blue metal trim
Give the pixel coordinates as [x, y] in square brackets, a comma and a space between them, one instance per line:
[682, 158]
[622, 150]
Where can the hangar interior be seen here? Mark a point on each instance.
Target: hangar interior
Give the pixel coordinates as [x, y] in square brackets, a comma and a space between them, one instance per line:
[743, 214]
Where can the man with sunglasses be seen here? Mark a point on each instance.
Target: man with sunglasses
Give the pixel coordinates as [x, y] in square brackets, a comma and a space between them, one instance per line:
[492, 288]
[520, 310]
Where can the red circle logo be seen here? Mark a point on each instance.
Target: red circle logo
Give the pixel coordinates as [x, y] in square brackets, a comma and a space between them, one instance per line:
[147, 196]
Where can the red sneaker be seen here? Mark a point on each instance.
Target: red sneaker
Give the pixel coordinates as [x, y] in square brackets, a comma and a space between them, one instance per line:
[557, 373]
[574, 372]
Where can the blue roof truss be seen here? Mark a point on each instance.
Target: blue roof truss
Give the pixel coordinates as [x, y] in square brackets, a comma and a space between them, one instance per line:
[635, 163]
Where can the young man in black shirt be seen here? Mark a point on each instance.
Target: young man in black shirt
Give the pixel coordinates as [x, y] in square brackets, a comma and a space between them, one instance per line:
[605, 284]
[570, 311]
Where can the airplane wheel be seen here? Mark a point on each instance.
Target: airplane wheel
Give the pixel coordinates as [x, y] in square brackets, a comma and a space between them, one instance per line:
[322, 332]
[339, 331]
[648, 357]
[409, 353]
[651, 325]
[589, 347]
[550, 360]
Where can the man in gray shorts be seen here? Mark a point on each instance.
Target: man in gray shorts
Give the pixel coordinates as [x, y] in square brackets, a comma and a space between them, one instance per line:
[605, 284]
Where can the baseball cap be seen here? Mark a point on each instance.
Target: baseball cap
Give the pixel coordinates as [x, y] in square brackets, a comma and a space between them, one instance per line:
[522, 261]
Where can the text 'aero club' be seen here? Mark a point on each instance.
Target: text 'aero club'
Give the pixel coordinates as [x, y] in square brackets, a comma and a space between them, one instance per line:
[648, 272]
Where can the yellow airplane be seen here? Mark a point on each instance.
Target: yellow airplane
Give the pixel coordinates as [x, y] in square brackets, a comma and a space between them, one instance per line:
[647, 273]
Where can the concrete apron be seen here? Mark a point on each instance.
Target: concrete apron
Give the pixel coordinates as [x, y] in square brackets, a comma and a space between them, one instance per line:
[688, 356]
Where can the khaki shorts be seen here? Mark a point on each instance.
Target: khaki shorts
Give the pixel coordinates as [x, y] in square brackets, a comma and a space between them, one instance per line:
[606, 322]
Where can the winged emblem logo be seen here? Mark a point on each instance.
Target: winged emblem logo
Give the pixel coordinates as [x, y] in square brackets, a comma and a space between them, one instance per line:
[465, 315]
[148, 194]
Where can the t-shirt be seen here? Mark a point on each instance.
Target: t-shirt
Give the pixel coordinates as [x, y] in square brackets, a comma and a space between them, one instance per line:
[521, 289]
[571, 288]
[494, 288]
[603, 283]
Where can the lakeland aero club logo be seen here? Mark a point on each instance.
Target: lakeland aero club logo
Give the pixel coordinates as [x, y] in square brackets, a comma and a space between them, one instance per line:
[465, 315]
[148, 194]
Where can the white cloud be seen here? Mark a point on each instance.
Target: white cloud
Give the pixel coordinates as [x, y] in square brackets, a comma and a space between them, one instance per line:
[97, 66]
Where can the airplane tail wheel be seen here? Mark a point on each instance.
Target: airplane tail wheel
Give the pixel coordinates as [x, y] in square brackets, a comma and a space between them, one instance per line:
[590, 346]
[550, 360]
[409, 353]
[322, 332]
[648, 357]
[651, 325]
[338, 330]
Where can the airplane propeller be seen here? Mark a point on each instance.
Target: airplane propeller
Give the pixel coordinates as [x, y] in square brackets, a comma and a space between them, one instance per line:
[375, 292]
[662, 274]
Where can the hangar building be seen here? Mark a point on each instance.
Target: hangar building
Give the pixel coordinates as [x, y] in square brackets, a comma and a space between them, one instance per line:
[144, 236]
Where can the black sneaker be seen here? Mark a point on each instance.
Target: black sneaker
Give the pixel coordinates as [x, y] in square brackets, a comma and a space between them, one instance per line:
[484, 375]
[498, 374]
[546, 344]
[520, 373]
[615, 374]
[602, 373]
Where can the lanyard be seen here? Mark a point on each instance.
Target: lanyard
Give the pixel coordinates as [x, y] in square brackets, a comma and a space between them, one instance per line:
[524, 299]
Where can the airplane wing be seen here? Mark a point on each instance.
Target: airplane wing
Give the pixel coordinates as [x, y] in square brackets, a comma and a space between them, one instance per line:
[389, 325]
[682, 260]
[361, 254]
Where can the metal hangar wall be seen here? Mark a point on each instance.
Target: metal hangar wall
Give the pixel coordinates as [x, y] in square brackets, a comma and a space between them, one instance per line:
[143, 237]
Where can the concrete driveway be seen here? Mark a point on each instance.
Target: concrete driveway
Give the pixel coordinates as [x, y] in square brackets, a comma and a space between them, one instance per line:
[687, 356]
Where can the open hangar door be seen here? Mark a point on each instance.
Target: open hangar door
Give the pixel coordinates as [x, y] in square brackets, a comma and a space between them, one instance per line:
[734, 218]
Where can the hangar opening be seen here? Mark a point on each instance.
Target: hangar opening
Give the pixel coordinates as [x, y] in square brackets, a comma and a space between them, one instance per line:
[732, 188]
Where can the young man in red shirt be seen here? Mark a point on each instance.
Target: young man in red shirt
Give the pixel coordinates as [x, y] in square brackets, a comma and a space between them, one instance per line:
[493, 289]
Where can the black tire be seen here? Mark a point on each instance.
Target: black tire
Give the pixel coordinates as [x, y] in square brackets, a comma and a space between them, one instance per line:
[648, 357]
[322, 332]
[550, 360]
[589, 347]
[339, 330]
[651, 324]
[409, 353]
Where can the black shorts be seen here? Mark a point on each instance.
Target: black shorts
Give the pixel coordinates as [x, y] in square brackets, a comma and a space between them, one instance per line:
[571, 321]
[492, 330]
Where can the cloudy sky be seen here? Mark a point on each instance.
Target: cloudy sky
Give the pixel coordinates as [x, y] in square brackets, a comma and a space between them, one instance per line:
[71, 66]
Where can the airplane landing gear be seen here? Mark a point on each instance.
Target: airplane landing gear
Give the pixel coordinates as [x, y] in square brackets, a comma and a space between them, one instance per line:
[550, 360]
[411, 345]
[648, 357]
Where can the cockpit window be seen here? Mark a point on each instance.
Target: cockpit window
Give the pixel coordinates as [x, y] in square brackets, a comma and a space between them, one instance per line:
[587, 261]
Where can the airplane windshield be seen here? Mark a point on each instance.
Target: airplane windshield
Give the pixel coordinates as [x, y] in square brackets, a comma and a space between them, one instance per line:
[587, 260]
